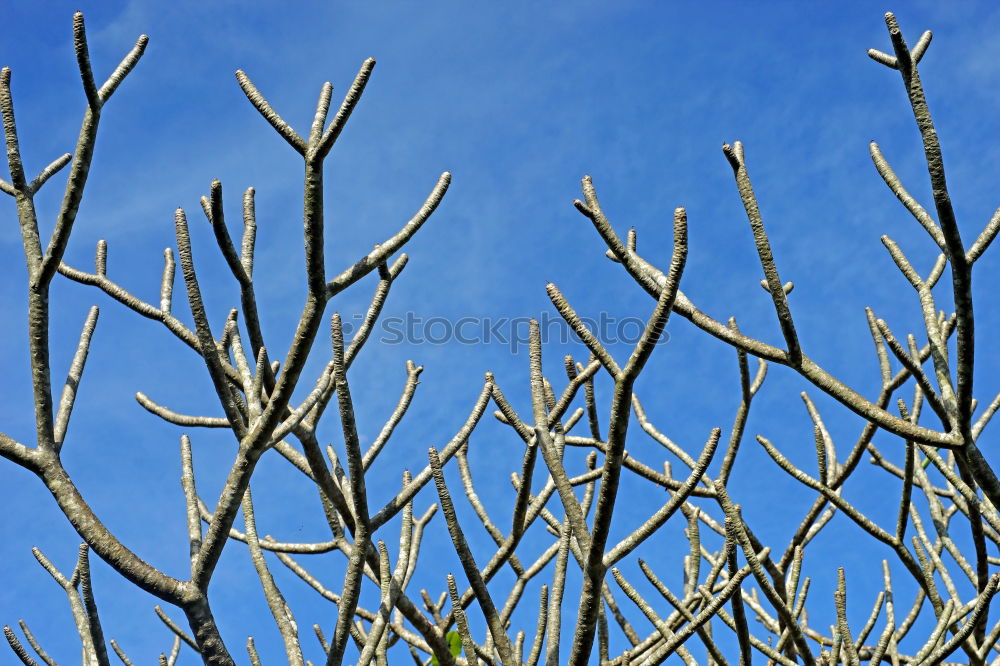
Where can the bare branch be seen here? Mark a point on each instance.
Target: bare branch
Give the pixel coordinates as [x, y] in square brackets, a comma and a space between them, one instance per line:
[33, 642]
[500, 638]
[412, 376]
[918, 211]
[171, 416]
[384, 250]
[322, 148]
[52, 169]
[172, 626]
[275, 600]
[269, 114]
[734, 154]
[18, 649]
[73, 378]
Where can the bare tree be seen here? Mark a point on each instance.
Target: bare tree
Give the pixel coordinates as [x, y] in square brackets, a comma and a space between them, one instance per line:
[729, 575]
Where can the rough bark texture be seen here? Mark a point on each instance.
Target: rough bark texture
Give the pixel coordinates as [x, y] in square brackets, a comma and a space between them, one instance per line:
[726, 562]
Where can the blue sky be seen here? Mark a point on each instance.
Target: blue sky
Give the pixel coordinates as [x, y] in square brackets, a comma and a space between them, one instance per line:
[518, 101]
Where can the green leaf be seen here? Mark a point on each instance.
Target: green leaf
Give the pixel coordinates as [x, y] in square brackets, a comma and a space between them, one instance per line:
[454, 645]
